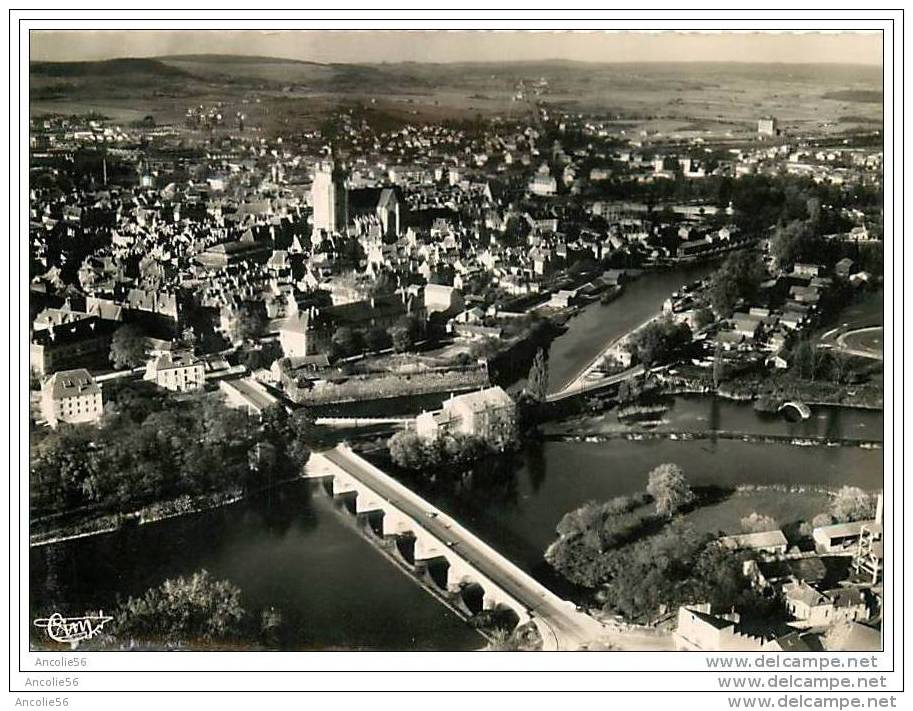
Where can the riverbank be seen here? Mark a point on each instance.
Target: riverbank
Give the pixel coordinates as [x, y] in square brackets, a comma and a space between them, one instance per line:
[735, 396]
[581, 378]
[640, 435]
[700, 416]
[775, 386]
[159, 511]
[596, 326]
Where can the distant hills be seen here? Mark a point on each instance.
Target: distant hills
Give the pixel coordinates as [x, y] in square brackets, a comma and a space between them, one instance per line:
[104, 68]
[165, 85]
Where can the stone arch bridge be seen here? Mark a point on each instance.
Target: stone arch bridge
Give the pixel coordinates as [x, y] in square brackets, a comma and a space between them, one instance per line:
[472, 575]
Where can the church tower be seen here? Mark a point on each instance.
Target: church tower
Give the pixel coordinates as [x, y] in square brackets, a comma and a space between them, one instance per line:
[329, 198]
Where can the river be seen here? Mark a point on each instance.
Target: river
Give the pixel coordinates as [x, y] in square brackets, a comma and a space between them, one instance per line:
[288, 548]
[598, 324]
[292, 550]
[517, 514]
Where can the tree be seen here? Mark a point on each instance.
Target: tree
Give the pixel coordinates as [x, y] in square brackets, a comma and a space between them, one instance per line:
[703, 317]
[405, 333]
[853, 504]
[262, 356]
[128, 347]
[659, 341]
[600, 526]
[796, 241]
[537, 381]
[786, 244]
[384, 284]
[503, 641]
[669, 489]
[719, 366]
[739, 277]
[248, 324]
[813, 208]
[758, 523]
[808, 361]
[841, 367]
[407, 450]
[190, 610]
[676, 566]
[348, 341]
[376, 339]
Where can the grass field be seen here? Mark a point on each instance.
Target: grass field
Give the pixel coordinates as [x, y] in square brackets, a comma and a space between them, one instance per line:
[787, 509]
[667, 99]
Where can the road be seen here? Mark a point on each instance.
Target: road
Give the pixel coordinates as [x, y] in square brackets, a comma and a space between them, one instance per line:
[569, 627]
[862, 342]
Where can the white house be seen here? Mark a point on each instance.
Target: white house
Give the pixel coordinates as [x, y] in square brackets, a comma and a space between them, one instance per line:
[490, 414]
[71, 396]
[178, 371]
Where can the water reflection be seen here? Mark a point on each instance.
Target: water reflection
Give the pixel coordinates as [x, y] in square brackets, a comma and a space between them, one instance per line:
[290, 549]
[553, 477]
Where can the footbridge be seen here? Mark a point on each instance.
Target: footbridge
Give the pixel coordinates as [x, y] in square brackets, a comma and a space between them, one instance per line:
[584, 386]
[463, 568]
[801, 408]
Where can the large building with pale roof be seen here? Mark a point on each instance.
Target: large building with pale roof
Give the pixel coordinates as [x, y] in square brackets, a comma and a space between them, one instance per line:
[489, 413]
[71, 396]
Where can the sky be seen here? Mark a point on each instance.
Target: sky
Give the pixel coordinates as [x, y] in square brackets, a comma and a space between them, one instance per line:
[371, 46]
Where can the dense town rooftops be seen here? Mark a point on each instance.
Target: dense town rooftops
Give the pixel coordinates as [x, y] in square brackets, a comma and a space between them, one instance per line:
[73, 332]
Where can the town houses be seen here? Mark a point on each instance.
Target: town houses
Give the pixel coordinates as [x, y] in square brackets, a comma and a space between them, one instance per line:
[594, 353]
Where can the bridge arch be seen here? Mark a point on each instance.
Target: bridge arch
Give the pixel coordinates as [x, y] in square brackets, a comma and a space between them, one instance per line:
[797, 407]
[346, 501]
[404, 547]
[373, 523]
[472, 597]
[436, 572]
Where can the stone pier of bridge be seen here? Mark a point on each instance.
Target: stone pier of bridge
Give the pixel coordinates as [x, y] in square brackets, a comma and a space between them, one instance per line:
[429, 549]
[451, 561]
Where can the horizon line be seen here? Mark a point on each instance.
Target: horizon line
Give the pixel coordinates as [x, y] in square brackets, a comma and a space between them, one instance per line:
[550, 60]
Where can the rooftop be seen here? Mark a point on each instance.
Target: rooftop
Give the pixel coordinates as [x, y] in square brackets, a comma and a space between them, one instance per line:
[482, 400]
[71, 383]
[764, 539]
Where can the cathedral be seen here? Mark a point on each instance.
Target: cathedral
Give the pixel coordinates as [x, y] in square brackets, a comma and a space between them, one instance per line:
[339, 209]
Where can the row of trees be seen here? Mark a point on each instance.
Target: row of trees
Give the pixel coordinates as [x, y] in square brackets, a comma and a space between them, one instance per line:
[812, 363]
[402, 336]
[430, 456]
[152, 448]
